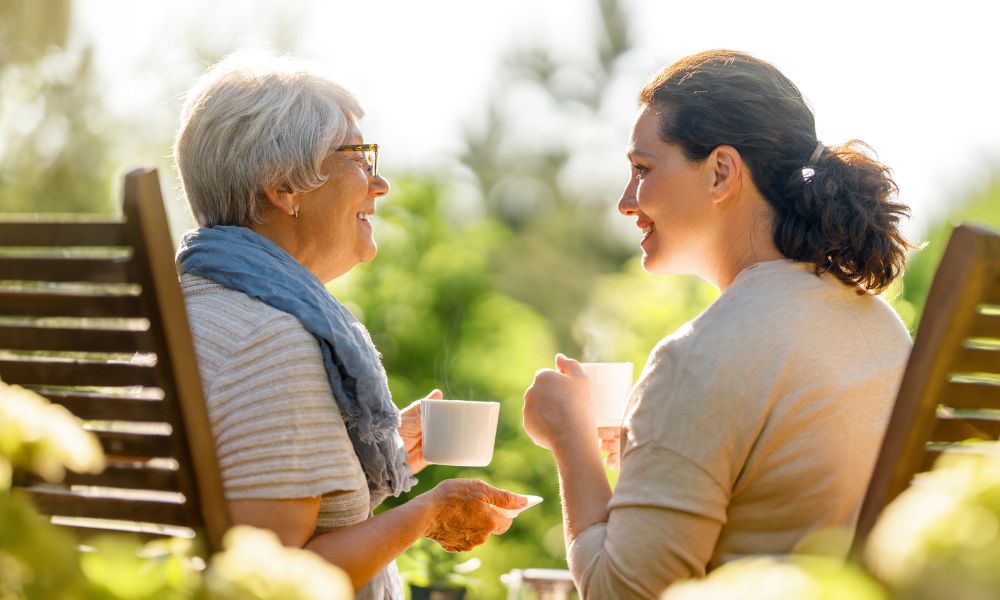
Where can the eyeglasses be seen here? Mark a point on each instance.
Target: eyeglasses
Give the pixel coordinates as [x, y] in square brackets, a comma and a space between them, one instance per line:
[370, 151]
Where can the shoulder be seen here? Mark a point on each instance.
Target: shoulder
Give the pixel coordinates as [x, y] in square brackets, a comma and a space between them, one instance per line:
[784, 304]
[219, 312]
[240, 339]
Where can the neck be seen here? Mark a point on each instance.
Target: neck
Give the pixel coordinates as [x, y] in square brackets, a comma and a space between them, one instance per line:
[746, 239]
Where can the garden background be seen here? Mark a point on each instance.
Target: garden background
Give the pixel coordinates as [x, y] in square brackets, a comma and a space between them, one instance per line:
[502, 130]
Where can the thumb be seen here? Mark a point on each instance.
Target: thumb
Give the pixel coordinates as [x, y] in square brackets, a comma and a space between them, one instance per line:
[435, 394]
[568, 366]
[501, 498]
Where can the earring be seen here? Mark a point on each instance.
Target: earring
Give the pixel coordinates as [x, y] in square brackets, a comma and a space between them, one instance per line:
[295, 209]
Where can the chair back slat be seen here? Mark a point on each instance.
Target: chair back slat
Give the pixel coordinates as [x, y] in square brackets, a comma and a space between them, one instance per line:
[92, 318]
[68, 304]
[971, 394]
[991, 293]
[957, 429]
[135, 475]
[102, 505]
[93, 270]
[54, 234]
[34, 337]
[950, 392]
[977, 360]
[35, 371]
[987, 325]
[136, 446]
[107, 406]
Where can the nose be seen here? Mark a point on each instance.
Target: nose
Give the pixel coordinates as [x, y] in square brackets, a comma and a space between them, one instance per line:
[378, 186]
[628, 204]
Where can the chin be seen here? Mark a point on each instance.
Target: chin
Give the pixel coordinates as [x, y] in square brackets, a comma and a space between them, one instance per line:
[654, 265]
[368, 254]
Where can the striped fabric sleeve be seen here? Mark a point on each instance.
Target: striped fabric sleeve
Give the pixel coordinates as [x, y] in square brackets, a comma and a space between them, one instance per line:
[279, 433]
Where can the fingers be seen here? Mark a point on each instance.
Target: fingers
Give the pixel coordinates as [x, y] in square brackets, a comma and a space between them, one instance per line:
[568, 366]
[609, 433]
[435, 394]
[614, 461]
[503, 524]
[464, 543]
[501, 498]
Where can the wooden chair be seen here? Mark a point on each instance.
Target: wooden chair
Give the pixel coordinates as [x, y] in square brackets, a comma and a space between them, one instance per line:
[92, 317]
[950, 393]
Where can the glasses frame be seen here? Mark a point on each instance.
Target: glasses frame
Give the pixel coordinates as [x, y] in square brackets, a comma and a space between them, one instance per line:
[366, 148]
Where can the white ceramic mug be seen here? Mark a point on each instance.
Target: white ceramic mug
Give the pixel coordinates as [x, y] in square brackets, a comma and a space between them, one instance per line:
[610, 386]
[459, 432]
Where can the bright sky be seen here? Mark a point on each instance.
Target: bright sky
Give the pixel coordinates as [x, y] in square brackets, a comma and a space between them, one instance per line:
[917, 81]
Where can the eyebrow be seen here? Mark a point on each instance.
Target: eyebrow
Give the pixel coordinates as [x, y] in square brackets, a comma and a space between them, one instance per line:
[634, 152]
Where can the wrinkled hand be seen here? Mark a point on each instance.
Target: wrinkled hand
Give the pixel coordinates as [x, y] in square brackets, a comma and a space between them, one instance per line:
[557, 406]
[466, 513]
[411, 431]
[611, 439]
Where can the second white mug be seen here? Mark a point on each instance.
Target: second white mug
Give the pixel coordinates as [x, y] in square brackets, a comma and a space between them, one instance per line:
[459, 432]
[610, 386]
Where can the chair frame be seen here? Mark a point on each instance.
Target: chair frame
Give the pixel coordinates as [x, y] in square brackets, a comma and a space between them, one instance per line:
[159, 300]
[943, 391]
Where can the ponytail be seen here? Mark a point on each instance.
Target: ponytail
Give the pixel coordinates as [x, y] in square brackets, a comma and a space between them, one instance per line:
[840, 214]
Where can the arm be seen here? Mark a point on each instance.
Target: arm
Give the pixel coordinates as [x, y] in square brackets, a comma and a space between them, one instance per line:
[458, 514]
[558, 416]
[662, 523]
[665, 519]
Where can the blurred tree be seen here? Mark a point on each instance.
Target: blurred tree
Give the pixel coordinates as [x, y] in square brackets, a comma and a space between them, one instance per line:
[54, 137]
[982, 208]
[435, 314]
[561, 241]
[630, 311]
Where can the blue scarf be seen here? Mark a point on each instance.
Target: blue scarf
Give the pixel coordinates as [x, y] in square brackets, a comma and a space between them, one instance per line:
[243, 260]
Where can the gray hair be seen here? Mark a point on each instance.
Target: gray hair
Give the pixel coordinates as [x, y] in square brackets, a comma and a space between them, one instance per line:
[253, 122]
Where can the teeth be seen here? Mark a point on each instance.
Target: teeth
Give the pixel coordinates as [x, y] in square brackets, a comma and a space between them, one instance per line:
[647, 229]
[364, 216]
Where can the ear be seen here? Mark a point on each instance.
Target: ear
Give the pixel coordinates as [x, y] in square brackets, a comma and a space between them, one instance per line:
[282, 201]
[725, 172]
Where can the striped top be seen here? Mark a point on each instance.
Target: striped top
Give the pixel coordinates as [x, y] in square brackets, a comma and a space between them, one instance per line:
[278, 431]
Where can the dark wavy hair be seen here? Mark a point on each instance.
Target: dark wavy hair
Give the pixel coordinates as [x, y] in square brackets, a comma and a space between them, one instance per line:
[838, 213]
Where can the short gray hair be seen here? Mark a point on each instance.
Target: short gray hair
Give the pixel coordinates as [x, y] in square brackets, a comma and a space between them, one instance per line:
[256, 121]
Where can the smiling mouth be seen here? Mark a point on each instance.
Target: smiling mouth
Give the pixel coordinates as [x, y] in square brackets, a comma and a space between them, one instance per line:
[365, 216]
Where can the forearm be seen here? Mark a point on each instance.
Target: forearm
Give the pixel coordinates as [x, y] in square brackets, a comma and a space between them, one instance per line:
[583, 486]
[365, 548]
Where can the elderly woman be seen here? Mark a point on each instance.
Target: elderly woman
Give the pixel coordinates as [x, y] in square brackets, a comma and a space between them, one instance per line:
[283, 188]
[757, 423]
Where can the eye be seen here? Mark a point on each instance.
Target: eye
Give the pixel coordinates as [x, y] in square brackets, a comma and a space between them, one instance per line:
[640, 171]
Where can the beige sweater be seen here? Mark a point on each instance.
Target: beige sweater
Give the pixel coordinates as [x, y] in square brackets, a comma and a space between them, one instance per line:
[278, 431]
[751, 427]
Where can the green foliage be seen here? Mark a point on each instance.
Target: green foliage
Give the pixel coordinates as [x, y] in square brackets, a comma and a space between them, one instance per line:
[256, 565]
[983, 208]
[771, 578]
[428, 565]
[630, 311]
[119, 567]
[941, 537]
[39, 560]
[439, 321]
[42, 438]
[526, 155]
[54, 137]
